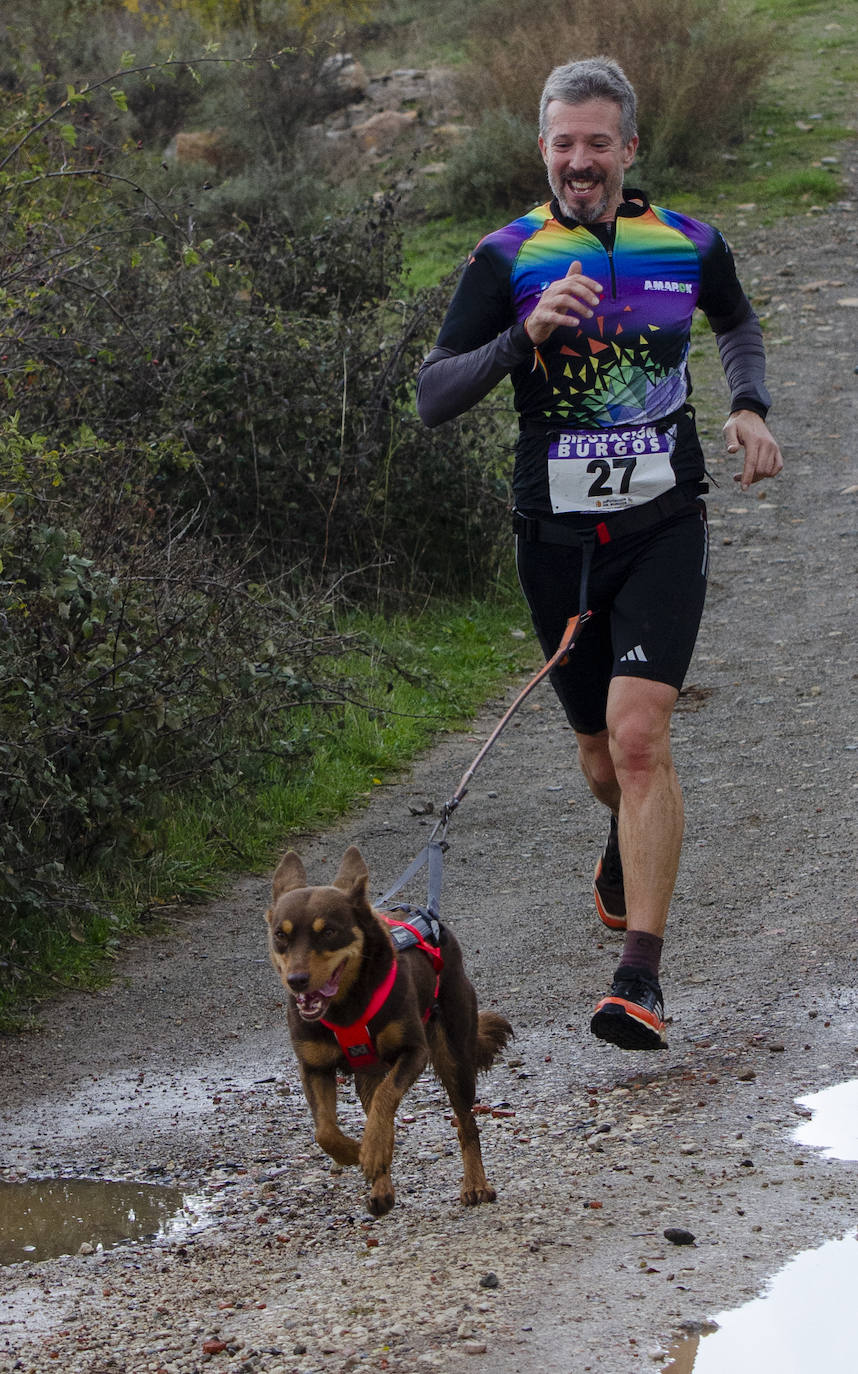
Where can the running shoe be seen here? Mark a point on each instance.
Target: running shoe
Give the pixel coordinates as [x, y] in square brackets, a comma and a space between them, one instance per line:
[608, 889]
[632, 1015]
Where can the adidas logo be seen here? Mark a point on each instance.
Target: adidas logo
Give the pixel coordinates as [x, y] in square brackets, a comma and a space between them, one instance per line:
[635, 655]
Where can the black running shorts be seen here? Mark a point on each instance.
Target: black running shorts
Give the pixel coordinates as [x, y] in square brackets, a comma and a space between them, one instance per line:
[646, 591]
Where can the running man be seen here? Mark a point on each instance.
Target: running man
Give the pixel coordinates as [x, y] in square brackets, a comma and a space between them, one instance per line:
[586, 303]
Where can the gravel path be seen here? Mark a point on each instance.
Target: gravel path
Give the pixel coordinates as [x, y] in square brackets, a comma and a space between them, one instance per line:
[180, 1072]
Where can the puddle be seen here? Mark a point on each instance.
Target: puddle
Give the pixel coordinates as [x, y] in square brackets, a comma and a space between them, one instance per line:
[834, 1127]
[803, 1321]
[48, 1217]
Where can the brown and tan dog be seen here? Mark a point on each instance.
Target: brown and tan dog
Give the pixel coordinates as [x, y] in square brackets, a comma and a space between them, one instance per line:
[392, 1009]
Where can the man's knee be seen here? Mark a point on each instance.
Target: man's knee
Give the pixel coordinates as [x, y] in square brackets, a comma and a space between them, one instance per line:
[639, 714]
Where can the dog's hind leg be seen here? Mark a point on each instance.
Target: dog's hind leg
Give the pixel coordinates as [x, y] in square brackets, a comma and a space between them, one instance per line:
[460, 1080]
[320, 1090]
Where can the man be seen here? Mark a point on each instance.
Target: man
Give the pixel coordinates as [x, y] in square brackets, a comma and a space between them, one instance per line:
[586, 303]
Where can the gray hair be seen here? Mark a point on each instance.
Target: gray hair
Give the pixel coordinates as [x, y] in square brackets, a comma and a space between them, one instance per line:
[593, 78]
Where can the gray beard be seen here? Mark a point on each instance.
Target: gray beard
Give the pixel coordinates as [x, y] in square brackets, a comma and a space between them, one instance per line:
[585, 214]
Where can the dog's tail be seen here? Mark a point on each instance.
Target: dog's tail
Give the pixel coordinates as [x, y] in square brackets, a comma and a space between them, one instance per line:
[493, 1031]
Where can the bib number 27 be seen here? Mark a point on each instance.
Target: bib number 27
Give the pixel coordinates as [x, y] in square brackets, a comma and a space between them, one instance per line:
[602, 470]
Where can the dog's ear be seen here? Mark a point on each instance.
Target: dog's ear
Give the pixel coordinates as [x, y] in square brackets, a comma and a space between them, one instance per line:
[290, 872]
[353, 876]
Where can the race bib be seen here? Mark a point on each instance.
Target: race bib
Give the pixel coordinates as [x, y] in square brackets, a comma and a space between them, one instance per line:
[609, 469]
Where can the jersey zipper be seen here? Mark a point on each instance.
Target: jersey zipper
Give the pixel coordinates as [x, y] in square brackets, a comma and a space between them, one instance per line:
[609, 249]
[608, 245]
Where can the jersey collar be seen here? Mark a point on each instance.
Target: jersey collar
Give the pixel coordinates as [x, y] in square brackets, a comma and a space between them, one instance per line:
[634, 203]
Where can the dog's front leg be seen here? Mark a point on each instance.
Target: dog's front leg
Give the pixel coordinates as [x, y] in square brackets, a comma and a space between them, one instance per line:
[320, 1090]
[381, 1098]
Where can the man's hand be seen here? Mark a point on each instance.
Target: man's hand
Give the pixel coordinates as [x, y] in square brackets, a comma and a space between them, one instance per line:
[565, 302]
[745, 429]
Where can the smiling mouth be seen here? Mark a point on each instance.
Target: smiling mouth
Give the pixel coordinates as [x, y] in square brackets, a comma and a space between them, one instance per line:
[579, 186]
[312, 1005]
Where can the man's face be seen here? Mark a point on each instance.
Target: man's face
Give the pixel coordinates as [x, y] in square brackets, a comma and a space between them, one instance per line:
[585, 157]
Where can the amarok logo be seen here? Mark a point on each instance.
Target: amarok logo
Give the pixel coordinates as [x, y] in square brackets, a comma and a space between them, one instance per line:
[683, 287]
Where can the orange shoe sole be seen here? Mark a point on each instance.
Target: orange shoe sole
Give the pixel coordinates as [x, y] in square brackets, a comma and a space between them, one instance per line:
[628, 1025]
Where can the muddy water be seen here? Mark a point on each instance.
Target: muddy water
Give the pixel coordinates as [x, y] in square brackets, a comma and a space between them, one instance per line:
[834, 1125]
[48, 1217]
[803, 1320]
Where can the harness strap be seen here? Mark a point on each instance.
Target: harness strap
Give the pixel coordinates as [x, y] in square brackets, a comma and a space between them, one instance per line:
[546, 529]
[433, 854]
[355, 1040]
[432, 952]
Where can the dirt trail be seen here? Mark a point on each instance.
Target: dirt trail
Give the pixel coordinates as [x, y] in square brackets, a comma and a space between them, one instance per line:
[181, 1071]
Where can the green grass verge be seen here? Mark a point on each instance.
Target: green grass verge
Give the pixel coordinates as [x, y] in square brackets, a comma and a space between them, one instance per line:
[417, 676]
[414, 677]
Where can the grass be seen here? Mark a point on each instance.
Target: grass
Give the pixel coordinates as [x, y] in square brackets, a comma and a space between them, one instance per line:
[423, 674]
[417, 676]
[438, 248]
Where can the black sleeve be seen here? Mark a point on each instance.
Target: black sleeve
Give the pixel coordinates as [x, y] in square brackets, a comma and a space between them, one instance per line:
[477, 346]
[737, 330]
[743, 358]
[450, 383]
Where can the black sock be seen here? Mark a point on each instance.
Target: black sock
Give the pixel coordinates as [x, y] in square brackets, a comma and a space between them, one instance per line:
[642, 950]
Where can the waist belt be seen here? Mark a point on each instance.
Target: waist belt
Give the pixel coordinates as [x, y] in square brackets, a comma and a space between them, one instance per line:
[546, 529]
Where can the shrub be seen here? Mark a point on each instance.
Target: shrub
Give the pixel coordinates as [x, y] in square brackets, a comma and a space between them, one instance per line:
[497, 167]
[231, 426]
[696, 66]
[131, 666]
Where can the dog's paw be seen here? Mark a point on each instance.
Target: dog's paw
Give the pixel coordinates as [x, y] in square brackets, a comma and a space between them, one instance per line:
[472, 1197]
[382, 1197]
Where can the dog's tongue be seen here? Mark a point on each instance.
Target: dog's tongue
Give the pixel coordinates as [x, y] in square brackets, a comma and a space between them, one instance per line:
[312, 1005]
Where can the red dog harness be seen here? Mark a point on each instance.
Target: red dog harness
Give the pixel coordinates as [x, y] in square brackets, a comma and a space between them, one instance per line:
[355, 1040]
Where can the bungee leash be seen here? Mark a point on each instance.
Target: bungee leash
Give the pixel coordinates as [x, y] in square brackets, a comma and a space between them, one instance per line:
[433, 851]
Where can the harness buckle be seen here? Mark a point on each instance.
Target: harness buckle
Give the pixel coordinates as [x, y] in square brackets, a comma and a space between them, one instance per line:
[527, 526]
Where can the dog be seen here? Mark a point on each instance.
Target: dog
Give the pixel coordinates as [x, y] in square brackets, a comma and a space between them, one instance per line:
[359, 1004]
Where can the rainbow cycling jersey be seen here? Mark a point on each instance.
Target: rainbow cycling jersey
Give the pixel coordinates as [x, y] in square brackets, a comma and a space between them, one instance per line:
[626, 366]
[628, 363]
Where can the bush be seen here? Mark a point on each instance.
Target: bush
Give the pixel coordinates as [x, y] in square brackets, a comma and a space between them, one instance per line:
[497, 167]
[696, 66]
[265, 378]
[232, 427]
[150, 667]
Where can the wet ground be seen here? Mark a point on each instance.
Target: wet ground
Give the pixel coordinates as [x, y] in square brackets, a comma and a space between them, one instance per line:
[179, 1074]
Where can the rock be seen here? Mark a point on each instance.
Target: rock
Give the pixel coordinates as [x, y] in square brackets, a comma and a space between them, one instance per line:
[344, 77]
[677, 1235]
[381, 130]
[208, 146]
